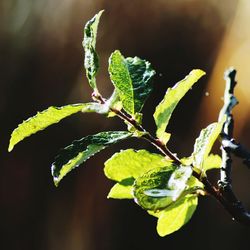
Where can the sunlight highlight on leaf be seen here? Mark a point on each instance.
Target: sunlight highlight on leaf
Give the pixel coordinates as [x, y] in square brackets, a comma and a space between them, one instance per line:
[205, 142]
[164, 110]
[132, 77]
[41, 121]
[176, 215]
[81, 150]
[91, 62]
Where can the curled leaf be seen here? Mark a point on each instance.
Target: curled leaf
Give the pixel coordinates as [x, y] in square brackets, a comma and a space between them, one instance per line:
[164, 110]
[204, 143]
[91, 62]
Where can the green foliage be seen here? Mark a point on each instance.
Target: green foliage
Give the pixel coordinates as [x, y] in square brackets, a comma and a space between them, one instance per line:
[81, 150]
[172, 97]
[41, 121]
[132, 79]
[159, 187]
[125, 166]
[91, 62]
[164, 185]
[132, 164]
[176, 215]
[212, 161]
[123, 190]
[204, 144]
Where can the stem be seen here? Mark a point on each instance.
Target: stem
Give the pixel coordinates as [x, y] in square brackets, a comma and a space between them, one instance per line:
[226, 195]
[227, 131]
[146, 135]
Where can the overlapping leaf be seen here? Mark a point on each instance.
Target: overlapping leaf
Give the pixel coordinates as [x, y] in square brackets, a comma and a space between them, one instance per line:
[212, 161]
[127, 165]
[132, 78]
[122, 190]
[159, 187]
[176, 215]
[130, 163]
[172, 97]
[204, 144]
[81, 150]
[91, 62]
[44, 119]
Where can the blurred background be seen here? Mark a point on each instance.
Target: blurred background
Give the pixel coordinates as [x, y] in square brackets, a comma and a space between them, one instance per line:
[41, 64]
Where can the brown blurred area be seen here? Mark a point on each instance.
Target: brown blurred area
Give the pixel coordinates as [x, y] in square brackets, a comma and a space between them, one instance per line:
[41, 65]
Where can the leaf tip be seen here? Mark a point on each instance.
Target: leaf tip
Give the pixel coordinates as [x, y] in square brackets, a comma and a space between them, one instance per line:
[100, 12]
[56, 178]
[160, 233]
[56, 181]
[198, 72]
[10, 148]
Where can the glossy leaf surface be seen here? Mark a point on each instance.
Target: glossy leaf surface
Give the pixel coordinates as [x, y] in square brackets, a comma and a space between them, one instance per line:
[42, 120]
[130, 163]
[164, 110]
[91, 62]
[205, 142]
[121, 191]
[176, 215]
[132, 79]
[81, 150]
[159, 187]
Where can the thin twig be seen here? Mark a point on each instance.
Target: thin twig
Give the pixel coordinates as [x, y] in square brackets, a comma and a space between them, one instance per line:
[227, 131]
[226, 195]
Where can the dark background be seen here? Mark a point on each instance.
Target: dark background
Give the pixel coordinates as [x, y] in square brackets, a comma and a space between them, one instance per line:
[41, 64]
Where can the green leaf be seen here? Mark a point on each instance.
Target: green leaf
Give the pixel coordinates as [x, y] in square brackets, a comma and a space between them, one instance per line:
[81, 150]
[176, 215]
[122, 190]
[172, 97]
[42, 120]
[130, 163]
[132, 78]
[159, 187]
[91, 62]
[204, 143]
[194, 184]
[212, 162]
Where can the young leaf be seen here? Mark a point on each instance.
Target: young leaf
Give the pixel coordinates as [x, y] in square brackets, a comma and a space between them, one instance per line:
[112, 102]
[211, 162]
[91, 62]
[204, 143]
[126, 166]
[81, 150]
[130, 163]
[176, 215]
[42, 120]
[122, 191]
[132, 78]
[172, 97]
[194, 184]
[159, 187]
